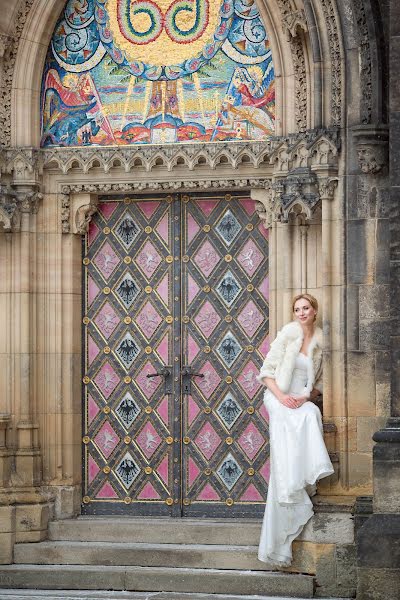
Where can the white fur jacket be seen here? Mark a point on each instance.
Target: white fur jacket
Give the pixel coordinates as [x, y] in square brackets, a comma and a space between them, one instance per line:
[280, 360]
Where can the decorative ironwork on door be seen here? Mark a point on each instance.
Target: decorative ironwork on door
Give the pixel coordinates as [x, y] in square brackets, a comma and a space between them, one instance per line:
[175, 328]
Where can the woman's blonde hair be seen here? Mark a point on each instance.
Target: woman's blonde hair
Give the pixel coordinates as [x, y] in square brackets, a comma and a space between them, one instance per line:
[313, 301]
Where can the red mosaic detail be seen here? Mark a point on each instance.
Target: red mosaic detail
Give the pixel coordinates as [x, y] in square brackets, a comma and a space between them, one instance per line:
[106, 439]
[265, 346]
[148, 386]
[207, 258]
[265, 470]
[93, 350]
[249, 206]
[163, 289]
[192, 349]
[163, 469]
[264, 288]
[207, 206]
[207, 440]
[148, 493]
[93, 291]
[264, 413]
[193, 228]
[163, 410]
[107, 380]
[163, 229]
[106, 492]
[251, 495]
[107, 209]
[93, 469]
[148, 319]
[148, 208]
[148, 259]
[193, 289]
[250, 318]
[250, 257]
[148, 440]
[163, 349]
[207, 319]
[107, 320]
[247, 379]
[193, 471]
[193, 410]
[93, 232]
[106, 260]
[210, 381]
[208, 494]
[93, 409]
[251, 440]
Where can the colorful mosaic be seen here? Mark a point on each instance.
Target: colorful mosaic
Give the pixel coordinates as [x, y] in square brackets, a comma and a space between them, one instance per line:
[143, 71]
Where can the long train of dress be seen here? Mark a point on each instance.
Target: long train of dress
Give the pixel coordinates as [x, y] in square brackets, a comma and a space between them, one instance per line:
[298, 459]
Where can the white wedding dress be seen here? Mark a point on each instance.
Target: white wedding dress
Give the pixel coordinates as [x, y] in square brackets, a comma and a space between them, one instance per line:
[298, 459]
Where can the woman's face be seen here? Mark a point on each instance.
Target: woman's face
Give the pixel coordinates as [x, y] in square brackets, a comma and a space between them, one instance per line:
[304, 312]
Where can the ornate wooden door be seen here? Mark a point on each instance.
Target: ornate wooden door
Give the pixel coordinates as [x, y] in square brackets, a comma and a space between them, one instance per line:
[175, 328]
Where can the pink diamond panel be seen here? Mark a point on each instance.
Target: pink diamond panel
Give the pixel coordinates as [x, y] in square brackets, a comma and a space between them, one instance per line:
[148, 440]
[163, 229]
[163, 289]
[207, 440]
[207, 319]
[251, 440]
[107, 208]
[247, 379]
[93, 409]
[192, 349]
[163, 469]
[251, 495]
[148, 319]
[250, 318]
[106, 439]
[163, 349]
[148, 259]
[106, 260]
[93, 290]
[107, 492]
[193, 289]
[208, 494]
[207, 206]
[194, 471]
[163, 410]
[264, 288]
[193, 228]
[93, 350]
[92, 233]
[148, 208]
[207, 258]
[265, 470]
[210, 381]
[249, 206]
[93, 469]
[193, 410]
[107, 320]
[148, 386]
[107, 380]
[148, 493]
[250, 257]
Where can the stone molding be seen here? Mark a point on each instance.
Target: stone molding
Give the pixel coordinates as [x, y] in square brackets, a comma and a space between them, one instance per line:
[335, 50]
[293, 23]
[372, 142]
[9, 57]
[365, 62]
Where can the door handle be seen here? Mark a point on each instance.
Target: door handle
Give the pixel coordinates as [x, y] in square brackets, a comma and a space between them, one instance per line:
[165, 373]
[187, 375]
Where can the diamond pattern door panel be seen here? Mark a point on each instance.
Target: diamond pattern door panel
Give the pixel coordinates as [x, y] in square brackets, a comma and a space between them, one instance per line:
[172, 283]
[130, 458]
[225, 325]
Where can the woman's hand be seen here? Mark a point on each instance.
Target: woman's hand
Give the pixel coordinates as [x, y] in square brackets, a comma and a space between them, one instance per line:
[292, 401]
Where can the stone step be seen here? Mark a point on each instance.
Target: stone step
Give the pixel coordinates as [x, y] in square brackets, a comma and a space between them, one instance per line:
[30, 594]
[143, 555]
[156, 579]
[230, 532]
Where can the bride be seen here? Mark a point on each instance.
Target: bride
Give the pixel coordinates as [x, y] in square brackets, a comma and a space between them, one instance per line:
[292, 373]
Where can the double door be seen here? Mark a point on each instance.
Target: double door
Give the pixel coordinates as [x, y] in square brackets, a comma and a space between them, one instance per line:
[175, 327]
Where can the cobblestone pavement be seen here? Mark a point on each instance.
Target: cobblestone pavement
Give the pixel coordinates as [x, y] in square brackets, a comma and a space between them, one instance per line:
[88, 595]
